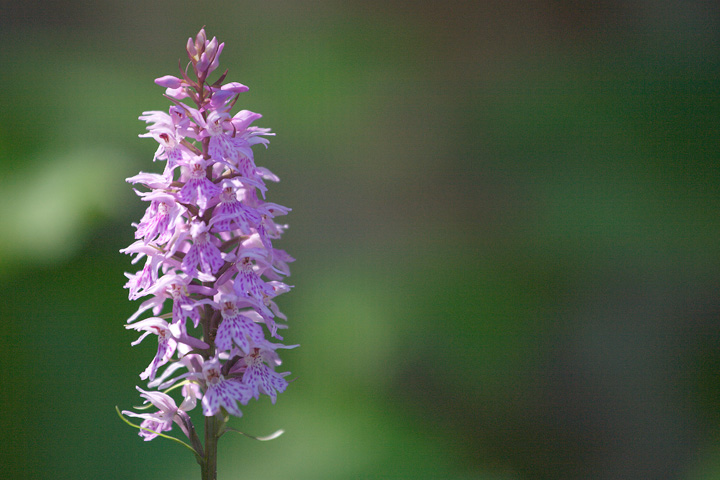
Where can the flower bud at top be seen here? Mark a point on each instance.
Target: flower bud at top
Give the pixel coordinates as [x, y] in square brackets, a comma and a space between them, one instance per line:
[169, 81]
[201, 41]
[192, 51]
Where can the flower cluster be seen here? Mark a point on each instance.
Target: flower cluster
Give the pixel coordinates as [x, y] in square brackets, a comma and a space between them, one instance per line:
[205, 245]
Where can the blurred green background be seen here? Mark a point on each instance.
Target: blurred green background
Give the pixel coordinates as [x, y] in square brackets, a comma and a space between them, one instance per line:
[505, 219]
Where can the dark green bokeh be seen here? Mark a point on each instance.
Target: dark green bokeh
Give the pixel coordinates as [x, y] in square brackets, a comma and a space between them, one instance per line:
[505, 218]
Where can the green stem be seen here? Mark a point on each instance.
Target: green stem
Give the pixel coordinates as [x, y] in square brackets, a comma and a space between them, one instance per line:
[212, 423]
[209, 466]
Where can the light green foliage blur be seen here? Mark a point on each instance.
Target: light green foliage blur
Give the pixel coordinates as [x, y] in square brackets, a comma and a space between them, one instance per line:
[505, 227]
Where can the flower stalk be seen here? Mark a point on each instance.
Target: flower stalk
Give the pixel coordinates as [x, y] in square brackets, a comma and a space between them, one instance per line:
[206, 240]
[209, 466]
